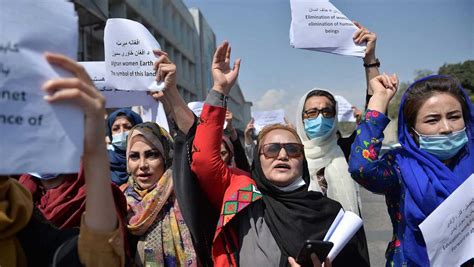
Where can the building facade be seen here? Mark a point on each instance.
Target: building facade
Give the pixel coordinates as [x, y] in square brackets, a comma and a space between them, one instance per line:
[182, 33]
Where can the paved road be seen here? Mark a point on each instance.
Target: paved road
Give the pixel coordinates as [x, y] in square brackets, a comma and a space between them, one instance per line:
[378, 228]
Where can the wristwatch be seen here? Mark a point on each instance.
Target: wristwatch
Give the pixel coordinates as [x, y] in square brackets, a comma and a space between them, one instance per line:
[371, 65]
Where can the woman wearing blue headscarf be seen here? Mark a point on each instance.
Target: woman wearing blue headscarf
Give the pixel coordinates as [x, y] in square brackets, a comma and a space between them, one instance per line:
[435, 130]
[119, 124]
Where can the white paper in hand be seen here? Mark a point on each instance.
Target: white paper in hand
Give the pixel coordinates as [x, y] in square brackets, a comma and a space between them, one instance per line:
[344, 109]
[129, 56]
[449, 230]
[341, 231]
[320, 26]
[37, 136]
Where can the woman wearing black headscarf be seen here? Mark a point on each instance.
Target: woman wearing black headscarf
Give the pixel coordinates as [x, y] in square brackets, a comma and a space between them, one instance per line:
[265, 216]
[119, 124]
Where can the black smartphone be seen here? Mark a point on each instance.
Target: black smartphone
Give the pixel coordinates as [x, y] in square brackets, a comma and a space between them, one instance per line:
[320, 248]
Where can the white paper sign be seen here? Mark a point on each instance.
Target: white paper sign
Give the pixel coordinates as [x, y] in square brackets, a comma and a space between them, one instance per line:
[264, 118]
[449, 230]
[341, 231]
[155, 113]
[320, 26]
[36, 136]
[344, 109]
[115, 98]
[196, 107]
[129, 56]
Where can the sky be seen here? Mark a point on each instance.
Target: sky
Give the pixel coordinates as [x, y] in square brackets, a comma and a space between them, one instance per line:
[412, 35]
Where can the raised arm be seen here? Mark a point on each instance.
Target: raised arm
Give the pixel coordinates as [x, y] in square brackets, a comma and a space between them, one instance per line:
[174, 105]
[100, 216]
[363, 35]
[213, 174]
[378, 175]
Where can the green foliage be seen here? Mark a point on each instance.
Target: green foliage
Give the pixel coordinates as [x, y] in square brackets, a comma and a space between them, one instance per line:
[395, 103]
[463, 72]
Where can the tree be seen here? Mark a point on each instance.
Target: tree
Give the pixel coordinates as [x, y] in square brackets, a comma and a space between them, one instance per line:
[463, 73]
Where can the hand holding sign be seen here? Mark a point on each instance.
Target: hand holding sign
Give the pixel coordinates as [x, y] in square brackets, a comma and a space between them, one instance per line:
[320, 26]
[363, 35]
[25, 118]
[81, 91]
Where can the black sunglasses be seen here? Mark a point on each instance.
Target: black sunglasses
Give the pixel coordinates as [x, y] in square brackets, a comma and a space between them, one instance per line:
[314, 112]
[272, 150]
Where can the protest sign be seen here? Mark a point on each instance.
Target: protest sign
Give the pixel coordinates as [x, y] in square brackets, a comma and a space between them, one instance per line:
[196, 108]
[36, 136]
[264, 118]
[449, 230]
[343, 228]
[154, 112]
[320, 26]
[344, 109]
[115, 98]
[129, 56]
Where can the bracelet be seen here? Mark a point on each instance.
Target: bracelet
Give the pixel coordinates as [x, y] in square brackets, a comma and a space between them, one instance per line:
[371, 65]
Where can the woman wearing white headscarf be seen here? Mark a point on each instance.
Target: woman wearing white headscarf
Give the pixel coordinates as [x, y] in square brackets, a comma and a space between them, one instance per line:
[317, 127]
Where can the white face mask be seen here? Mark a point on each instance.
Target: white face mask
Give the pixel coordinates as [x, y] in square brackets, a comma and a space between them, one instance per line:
[120, 140]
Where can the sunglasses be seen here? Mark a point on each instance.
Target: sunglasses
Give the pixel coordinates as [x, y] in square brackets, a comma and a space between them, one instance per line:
[272, 150]
[314, 112]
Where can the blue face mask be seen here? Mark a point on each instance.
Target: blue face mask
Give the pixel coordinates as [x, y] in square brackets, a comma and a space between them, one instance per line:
[317, 127]
[443, 146]
[120, 140]
[44, 176]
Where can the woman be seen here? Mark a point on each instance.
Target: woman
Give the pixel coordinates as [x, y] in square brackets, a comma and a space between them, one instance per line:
[266, 216]
[26, 239]
[317, 126]
[61, 198]
[232, 151]
[154, 217]
[435, 129]
[119, 124]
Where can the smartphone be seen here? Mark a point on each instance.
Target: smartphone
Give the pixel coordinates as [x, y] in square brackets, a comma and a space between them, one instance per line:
[320, 248]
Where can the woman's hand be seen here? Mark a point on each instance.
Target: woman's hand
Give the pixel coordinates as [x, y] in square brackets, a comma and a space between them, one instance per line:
[224, 77]
[363, 35]
[81, 91]
[165, 70]
[172, 101]
[229, 127]
[100, 207]
[314, 258]
[385, 88]
[248, 132]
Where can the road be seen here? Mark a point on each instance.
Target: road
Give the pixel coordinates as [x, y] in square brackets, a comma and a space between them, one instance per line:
[378, 228]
